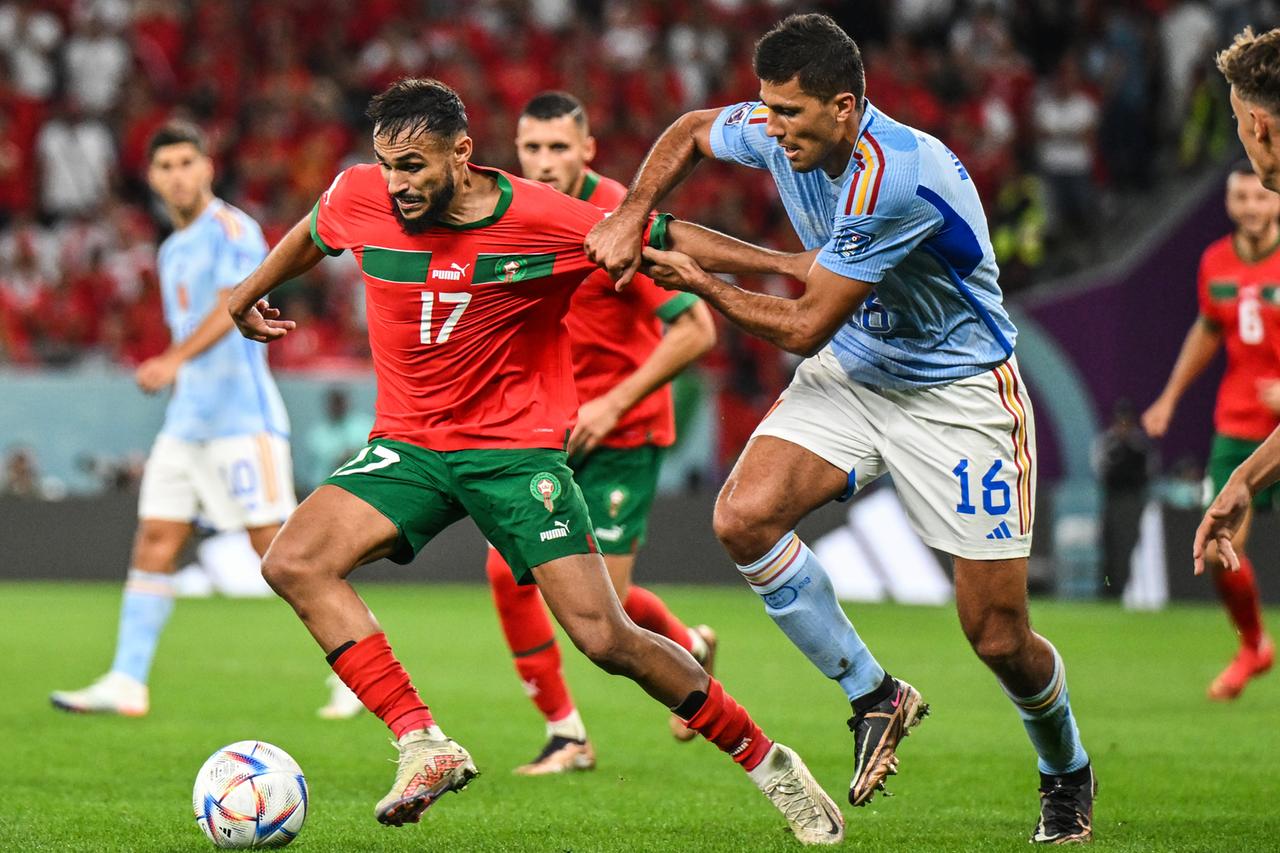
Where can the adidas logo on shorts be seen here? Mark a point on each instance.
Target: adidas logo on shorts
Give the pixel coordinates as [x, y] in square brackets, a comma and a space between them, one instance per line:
[1001, 532]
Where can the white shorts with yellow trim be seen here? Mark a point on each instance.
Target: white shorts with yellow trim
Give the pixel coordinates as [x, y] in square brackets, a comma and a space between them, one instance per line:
[234, 483]
[962, 455]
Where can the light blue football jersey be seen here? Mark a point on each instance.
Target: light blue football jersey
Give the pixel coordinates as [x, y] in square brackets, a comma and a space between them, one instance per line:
[226, 390]
[904, 217]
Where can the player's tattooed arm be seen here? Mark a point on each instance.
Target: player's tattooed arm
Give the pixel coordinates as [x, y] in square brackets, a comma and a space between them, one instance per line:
[720, 253]
[615, 242]
[802, 325]
[247, 304]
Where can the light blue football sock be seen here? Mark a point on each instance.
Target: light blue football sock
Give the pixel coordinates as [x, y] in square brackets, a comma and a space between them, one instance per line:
[144, 610]
[798, 596]
[1051, 725]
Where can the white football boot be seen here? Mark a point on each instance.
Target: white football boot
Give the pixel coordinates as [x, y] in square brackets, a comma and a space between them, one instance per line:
[343, 704]
[813, 817]
[113, 693]
[430, 766]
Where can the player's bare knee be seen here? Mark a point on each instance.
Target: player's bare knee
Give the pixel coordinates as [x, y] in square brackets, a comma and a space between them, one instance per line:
[743, 528]
[603, 642]
[155, 549]
[999, 639]
[286, 571]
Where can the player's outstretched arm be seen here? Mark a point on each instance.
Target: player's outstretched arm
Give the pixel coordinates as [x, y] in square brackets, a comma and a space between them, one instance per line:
[615, 242]
[159, 372]
[1198, 349]
[719, 253]
[802, 325]
[1228, 511]
[291, 257]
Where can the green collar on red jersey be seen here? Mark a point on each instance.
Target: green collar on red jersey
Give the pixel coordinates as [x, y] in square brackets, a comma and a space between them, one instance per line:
[1262, 256]
[590, 180]
[504, 201]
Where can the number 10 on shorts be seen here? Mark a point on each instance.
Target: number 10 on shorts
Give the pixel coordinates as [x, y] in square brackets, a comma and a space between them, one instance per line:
[995, 493]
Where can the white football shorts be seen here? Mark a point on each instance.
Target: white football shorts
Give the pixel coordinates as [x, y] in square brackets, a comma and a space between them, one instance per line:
[962, 455]
[234, 483]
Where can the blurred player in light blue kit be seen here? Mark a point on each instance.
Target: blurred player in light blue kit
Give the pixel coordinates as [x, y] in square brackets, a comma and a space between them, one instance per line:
[909, 371]
[223, 452]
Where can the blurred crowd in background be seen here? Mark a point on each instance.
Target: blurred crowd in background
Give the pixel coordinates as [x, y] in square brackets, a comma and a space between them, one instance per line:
[1065, 112]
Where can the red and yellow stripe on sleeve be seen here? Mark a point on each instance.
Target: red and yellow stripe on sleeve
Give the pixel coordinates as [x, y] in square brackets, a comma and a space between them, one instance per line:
[866, 188]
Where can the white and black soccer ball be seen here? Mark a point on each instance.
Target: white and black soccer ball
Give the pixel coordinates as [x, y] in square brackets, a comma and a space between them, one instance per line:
[250, 794]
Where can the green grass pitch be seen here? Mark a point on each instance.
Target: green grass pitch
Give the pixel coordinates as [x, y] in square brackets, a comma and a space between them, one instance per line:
[1176, 771]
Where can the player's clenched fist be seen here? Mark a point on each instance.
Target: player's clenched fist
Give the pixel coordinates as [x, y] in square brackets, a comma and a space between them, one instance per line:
[1155, 420]
[614, 243]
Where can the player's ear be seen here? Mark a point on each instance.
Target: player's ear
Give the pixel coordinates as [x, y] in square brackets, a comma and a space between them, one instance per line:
[588, 149]
[462, 149]
[846, 104]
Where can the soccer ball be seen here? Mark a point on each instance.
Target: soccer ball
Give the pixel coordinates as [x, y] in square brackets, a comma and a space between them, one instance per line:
[250, 794]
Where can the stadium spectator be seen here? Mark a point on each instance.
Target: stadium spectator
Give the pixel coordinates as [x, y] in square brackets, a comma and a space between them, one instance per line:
[96, 61]
[77, 158]
[29, 39]
[21, 477]
[1188, 31]
[1066, 122]
[1120, 65]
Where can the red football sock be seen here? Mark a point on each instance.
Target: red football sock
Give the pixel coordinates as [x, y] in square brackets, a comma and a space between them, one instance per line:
[1239, 591]
[532, 641]
[651, 613]
[727, 724]
[372, 672]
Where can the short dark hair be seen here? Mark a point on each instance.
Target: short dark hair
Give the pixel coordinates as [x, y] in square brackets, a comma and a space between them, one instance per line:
[813, 49]
[414, 105]
[1252, 65]
[545, 106]
[176, 132]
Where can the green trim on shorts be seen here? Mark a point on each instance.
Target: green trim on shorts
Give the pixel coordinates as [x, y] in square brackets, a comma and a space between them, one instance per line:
[524, 501]
[1226, 453]
[619, 485]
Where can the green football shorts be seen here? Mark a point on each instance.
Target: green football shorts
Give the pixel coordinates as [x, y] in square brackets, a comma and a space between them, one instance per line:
[619, 485]
[1225, 455]
[524, 501]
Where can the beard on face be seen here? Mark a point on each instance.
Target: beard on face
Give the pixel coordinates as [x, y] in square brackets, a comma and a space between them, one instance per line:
[437, 204]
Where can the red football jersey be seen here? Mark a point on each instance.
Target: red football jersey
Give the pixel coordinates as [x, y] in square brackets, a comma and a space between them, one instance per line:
[1239, 297]
[614, 333]
[466, 322]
